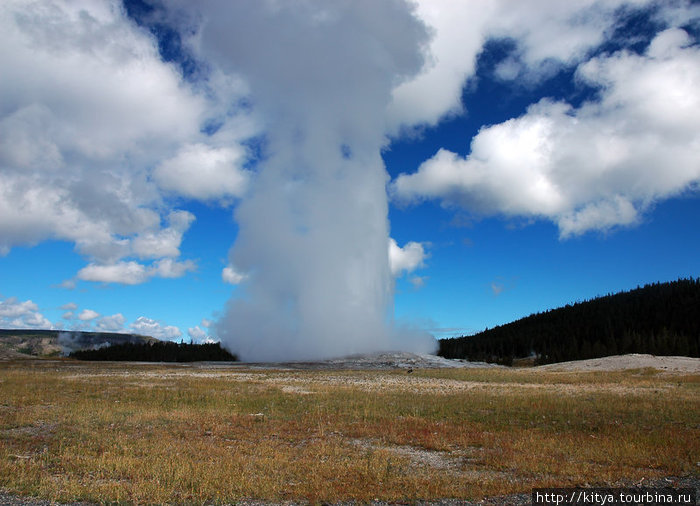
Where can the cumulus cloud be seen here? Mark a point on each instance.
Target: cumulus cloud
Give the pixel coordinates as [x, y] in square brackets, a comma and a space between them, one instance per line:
[406, 259]
[197, 334]
[11, 307]
[81, 87]
[126, 273]
[25, 314]
[21, 314]
[459, 31]
[114, 323]
[34, 321]
[577, 27]
[204, 172]
[149, 327]
[169, 268]
[588, 168]
[134, 273]
[164, 242]
[70, 306]
[88, 314]
[457, 36]
[87, 108]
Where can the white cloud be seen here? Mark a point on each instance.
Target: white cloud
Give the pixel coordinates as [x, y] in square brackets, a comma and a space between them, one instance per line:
[11, 307]
[460, 28]
[594, 167]
[126, 273]
[87, 109]
[134, 273]
[169, 268]
[457, 39]
[406, 259]
[601, 215]
[82, 87]
[197, 334]
[33, 320]
[577, 27]
[148, 327]
[204, 172]
[164, 242]
[231, 276]
[88, 314]
[70, 306]
[25, 314]
[113, 323]
[206, 323]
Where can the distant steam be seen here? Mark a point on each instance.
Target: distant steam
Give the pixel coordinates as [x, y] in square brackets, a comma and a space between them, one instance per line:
[68, 342]
[74, 341]
[313, 230]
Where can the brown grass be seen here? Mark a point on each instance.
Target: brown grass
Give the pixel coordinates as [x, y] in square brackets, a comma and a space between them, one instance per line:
[157, 434]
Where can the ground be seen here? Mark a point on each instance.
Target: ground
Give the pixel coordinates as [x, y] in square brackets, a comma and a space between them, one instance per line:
[388, 427]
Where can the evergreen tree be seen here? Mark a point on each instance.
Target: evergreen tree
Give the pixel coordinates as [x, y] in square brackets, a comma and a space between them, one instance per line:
[661, 319]
[161, 351]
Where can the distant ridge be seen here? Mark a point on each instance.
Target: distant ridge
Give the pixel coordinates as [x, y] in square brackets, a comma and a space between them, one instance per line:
[18, 343]
[162, 351]
[659, 319]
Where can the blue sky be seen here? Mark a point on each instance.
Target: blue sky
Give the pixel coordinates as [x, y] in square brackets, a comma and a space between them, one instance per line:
[215, 170]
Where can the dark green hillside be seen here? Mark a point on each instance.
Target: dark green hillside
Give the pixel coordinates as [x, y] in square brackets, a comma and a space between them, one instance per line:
[660, 319]
[162, 351]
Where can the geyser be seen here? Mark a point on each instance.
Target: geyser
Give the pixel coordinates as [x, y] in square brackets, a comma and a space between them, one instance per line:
[313, 229]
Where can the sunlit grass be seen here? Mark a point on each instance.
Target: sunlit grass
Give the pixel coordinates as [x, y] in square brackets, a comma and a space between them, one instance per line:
[157, 434]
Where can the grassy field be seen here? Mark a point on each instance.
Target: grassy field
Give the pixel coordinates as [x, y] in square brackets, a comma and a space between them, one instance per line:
[154, 434]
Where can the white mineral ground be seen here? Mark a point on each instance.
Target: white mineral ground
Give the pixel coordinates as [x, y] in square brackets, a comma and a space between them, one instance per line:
[631, 361]
[402, 360]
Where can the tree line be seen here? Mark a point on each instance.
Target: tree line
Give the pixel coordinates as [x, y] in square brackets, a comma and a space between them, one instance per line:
[660, 319]
[161, 351]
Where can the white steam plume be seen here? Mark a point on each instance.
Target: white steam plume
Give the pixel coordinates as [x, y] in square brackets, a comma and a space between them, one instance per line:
[313, 229]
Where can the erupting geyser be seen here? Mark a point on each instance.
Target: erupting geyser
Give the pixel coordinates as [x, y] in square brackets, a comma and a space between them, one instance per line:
[313, 229]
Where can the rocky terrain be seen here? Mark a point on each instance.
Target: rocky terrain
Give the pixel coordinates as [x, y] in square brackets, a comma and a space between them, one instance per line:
[381, 360]
[21, 343]
[409, 361]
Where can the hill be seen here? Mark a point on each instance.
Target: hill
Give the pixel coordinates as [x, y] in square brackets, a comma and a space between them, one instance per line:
[160, 351]
[23, 343]
[659, 319]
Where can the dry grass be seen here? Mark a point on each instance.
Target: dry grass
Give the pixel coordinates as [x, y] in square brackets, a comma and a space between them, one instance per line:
[157, 434]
